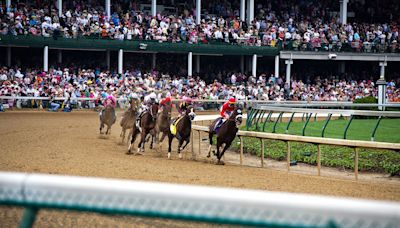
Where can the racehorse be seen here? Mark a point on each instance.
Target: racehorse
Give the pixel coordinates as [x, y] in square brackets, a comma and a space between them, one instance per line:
[108, 118]
[182, 128]
[162, 123]
[128, 119]
[225, 134]
[146, 123]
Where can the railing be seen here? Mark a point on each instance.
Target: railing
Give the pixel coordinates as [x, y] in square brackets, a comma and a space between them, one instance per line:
[35, 192]
[356, 144]
[308, 110]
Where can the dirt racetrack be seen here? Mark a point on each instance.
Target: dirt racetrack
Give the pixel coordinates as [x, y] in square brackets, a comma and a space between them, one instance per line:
[69, 143]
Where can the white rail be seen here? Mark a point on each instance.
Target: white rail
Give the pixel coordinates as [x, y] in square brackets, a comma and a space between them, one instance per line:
[188, 202]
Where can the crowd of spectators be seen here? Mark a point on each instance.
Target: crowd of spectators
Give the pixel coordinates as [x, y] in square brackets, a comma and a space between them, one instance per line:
[72, 83]
[296, 24]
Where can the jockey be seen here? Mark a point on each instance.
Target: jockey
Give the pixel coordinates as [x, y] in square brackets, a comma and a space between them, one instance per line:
[166, 101]
[148, 101]
[184, 105]
[109, 101]
[226, 111]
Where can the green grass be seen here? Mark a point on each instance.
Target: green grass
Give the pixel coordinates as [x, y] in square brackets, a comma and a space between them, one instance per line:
[360, 129]
[334, 156]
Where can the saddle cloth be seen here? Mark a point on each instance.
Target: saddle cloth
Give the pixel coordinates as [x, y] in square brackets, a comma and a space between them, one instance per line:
[218, 124]
[172, 127]
[139, 119]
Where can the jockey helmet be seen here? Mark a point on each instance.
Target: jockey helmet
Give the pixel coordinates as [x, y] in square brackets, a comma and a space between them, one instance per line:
[232, 100]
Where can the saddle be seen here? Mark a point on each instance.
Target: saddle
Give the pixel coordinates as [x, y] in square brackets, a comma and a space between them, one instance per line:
[172, 127]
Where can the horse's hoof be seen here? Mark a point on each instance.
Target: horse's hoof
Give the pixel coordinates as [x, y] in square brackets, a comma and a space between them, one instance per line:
[169, 155]
[208, 155]
[220, 163]
[180, 156]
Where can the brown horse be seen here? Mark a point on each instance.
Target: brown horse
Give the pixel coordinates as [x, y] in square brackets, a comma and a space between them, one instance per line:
[108, 118]
[128, 119]
[147, 123]
[162, 123]
[226, 133]
[183, 130]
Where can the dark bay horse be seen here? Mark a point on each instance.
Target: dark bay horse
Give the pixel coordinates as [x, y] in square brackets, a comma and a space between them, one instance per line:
[162, 123]
[183, 130]
[147, 123]
[108, 118]
[226, 133]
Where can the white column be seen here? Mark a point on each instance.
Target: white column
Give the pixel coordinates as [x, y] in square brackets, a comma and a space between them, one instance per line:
[288, 63]
[46, 58]
[381, 83]
[242, 10]
[153, 64]
[9, 56]
[59, 56]
[276, 66]
[254, 66]
[247, 11]
[8, 3]
[242, 64]
[343, 11]
[120, 60]
[197, 63]
[108, 59]
[108, 9]
[382, 65]
[190, 58]
[251, 11]
[59, 6]
[153, 8]
[198, 11]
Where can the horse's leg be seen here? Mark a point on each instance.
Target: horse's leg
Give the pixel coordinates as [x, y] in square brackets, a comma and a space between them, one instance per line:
[170, 138]
[123, 135]
[101, 127]
[179, 148]
[129, 134]
[142, 141]
[210, 138]
[187, 142]
[218, 153]
[227, 145]
[134, 133]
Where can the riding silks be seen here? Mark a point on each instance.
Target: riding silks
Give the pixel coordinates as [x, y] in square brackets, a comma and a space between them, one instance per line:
[172, 127]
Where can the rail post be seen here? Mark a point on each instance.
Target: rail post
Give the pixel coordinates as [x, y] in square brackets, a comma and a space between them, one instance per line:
[199, 142]
[319, 159]
[347, 127]
[29, 216]
[376, 128]
[262, 152]
[356, 162]
[290, 121]
[276, 122]
[241, 149]
[288, 155]
[192, 142]
[305, 125]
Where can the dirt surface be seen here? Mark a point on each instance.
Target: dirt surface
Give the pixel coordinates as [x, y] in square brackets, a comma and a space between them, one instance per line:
[69, 143]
